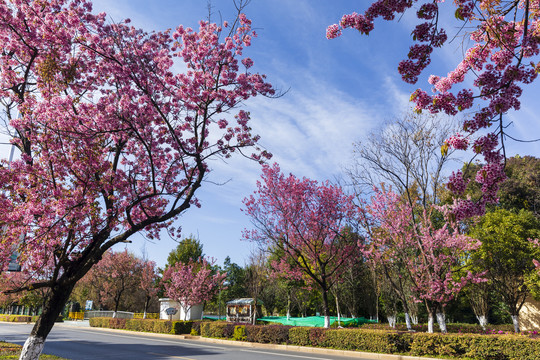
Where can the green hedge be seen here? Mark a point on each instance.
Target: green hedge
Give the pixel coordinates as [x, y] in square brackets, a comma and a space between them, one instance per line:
[469, 346]
[240, 333]
[268, 334]
[217, 329]
[477, 347]
[145, 325]
[24, 318]
[299, 336]
[18, 318]
[451, 328]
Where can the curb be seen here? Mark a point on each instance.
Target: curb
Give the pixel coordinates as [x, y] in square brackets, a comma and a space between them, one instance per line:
[296, 348]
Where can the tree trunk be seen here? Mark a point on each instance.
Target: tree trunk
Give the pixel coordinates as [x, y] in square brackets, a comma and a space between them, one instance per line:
[408, 321]
[288, 305]
[337, 310]
[441, 320]
[430, 321]
[483, 320]
[515, 321]
[392, 320]
[146, 302]
[326, 311]
[57, 299]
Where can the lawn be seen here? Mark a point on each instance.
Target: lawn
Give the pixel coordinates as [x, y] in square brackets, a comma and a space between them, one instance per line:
[12, 351]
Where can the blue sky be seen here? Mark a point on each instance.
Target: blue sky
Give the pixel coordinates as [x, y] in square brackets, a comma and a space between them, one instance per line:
[338, 91]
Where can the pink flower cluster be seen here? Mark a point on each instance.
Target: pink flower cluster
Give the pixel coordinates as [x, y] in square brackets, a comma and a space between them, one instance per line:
[505, 37]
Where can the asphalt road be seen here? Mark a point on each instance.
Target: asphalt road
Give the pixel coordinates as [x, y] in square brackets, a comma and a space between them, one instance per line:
[88, 344]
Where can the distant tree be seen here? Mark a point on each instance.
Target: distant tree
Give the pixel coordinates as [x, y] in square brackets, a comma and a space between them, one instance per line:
[306, 220]
[10, 281]
[191, 283]
[118, 274]
[189, 249]
[429, 257]
[520, 189]
[236, 287]
[148, 282]
[507, 254]
[406, 155]
[256, 279]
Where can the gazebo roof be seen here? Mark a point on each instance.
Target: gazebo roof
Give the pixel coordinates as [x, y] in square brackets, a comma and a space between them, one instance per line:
[244, 301]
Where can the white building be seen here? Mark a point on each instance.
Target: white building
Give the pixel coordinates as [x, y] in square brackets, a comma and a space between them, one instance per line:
[194, 313]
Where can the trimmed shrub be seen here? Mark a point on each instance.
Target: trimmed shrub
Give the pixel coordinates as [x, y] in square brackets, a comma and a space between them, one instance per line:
[196, 328]
[440, 344]
[299, 336]
[99, 322]
[273, 334]
[317, 336]
[217, 329]
[181, 327]
[204, 328]
[16, 318]
[478, 347]
[115, 323]
[452, 328]
[162, 326]
[239, 333]
[367, 340]
[134, 325]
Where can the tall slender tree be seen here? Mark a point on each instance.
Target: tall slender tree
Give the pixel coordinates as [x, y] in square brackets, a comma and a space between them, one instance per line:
[428, 257]
[308, 222]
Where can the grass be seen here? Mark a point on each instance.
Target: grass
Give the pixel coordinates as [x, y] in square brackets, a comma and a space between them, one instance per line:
[12, 351]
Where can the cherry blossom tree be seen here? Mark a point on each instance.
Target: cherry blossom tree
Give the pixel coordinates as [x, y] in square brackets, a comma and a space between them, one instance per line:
[505, 40]
[148, 282]
[116, 274]
[427, 256]
[113, 140]
[192, 283]
[306, 220]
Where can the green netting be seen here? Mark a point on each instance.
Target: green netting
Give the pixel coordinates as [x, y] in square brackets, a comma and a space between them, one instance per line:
[315, 321]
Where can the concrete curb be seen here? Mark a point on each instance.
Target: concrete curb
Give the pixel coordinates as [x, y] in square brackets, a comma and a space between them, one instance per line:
[304, 349]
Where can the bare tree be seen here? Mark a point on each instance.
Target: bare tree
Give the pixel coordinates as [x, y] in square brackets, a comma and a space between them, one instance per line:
[405, 154]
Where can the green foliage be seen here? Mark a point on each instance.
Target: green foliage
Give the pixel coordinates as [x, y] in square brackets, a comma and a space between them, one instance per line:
[368, 340]
[435, 344]
[317, 336]
[18, 318]
[506, 252]
[451, 328]
[299, 336]
[477, 347]
[181, 327]
[144, 325]
[521, 190]
[188, 249]
[13, 351]
[217, 329]
[239, 333]
[268, 334]
[196, 328]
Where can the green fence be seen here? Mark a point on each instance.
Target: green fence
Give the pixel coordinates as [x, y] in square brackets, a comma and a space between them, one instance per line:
[315, 321]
